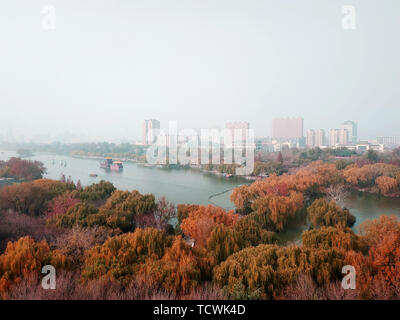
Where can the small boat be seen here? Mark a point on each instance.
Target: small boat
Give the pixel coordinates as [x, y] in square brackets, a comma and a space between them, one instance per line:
[94, 175]
[116, 166]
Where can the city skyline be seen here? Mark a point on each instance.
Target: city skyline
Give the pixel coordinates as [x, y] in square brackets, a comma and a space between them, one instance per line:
[10, 135]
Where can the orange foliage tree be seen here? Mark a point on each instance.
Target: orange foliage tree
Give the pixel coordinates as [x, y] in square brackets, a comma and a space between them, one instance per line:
[199, 224]
[181, 269]
[32, 198]
[387, 185]
[122, 257]
[342, 239]
[263, 271]
[328, 213]
[381, 263]
[24, 257]
[224, 241]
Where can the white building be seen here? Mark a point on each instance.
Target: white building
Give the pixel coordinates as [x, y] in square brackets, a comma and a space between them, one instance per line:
[310, 138]
[338, 136]
[351, 128]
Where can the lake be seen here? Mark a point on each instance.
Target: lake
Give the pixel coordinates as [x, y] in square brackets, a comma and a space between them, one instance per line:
[177, 185]
[191, 186]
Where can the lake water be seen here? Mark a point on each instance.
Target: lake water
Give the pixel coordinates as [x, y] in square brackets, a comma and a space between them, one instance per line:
[177, 185]
[190, 186]
[363, 206]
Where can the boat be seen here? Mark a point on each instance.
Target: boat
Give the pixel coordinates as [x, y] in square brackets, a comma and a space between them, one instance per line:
[106, 163]
[93, 175]
[116, 166]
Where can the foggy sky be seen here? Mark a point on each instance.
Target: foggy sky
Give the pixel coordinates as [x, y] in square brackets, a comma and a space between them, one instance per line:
[110, 64]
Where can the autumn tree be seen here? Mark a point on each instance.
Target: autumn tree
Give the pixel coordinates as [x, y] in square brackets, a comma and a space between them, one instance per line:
[24, 257]
[184, 209]
[327, 213]
[32, 198]
[342, 239]
[181, 269]
[25, 169]
[164, 212]
[387, 185]
[380, 266]
[199, 224]
[96, 191]
[61, 204]
[278, 210]
[122, 257]
[263, 271]
[80, 214]
[224, 240]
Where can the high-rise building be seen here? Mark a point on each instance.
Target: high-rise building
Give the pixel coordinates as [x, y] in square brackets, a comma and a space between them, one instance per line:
[320, 139]
[149, 131]
[338, 136]
[287, 128]
[351, 128]
[310, 138]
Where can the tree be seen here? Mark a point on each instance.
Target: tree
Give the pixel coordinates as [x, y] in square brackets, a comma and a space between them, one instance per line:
[337, 192]
[328, 213]
[184, 209]
[81, 214]
[280, 157]
[32, 198]
[341, 239]
[60, 204]
[25, 169]
[199, 224]
[372, 156]
[122, 257]
[96, 191]
[164, 212]
[265, 270]
[224, 240]
[380, 266]
[387, 185]
[181, 269]
[24, 257]
[278, 210]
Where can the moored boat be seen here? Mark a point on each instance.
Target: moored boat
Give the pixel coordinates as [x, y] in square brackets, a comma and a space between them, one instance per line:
[116, 166]
[106, 163]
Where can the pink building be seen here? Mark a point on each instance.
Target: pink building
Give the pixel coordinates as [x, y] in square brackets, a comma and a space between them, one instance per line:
[287, 128]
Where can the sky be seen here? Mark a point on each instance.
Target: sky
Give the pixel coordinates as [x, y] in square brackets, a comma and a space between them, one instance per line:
[104, 66]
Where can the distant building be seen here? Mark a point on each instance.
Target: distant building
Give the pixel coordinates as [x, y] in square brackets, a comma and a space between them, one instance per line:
[320, 138]
[287, 128]
[390, 142]
[351, 128]
[338, 136]
[149, 131]
[310, 138]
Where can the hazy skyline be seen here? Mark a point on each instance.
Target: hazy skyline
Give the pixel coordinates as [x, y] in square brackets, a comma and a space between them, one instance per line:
[109, 65]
